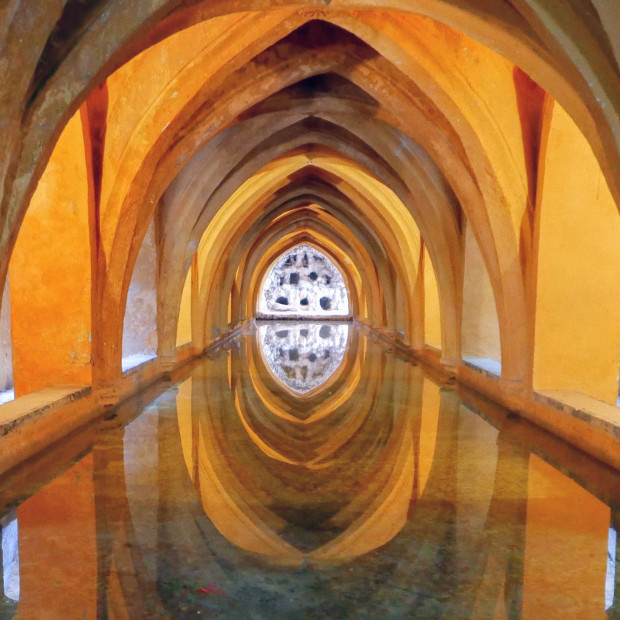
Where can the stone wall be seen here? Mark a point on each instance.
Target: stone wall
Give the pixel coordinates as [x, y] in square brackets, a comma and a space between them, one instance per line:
[140, 324]
[6, 349]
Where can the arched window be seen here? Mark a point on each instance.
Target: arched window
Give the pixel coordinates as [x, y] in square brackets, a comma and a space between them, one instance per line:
[304, 283]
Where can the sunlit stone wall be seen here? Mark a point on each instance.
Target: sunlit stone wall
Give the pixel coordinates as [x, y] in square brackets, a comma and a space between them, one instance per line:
[304, 283]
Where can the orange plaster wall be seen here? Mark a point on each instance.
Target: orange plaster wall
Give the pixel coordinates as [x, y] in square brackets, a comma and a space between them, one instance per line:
[50, 278]
[57, 548]
[578, 297]
[565, 548]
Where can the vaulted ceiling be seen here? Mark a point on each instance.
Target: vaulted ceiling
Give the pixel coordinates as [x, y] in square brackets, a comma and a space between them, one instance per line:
[376, 130]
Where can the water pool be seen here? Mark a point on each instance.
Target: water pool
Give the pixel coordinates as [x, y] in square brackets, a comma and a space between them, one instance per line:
[310, 471]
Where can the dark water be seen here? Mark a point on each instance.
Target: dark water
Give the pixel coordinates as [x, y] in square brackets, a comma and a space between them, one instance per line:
[307, 471]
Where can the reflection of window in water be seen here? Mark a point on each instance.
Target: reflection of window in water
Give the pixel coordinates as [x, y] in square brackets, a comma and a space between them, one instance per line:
[304, 282]
[303, 355]
[610, 584]
[10, 556]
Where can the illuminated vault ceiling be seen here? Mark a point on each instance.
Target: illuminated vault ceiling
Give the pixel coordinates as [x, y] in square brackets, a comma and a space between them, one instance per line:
[391, 135]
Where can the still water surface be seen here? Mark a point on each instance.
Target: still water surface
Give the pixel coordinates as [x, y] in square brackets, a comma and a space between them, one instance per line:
[308, 471]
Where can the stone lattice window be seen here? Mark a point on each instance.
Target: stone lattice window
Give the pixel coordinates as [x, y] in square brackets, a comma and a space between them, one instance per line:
[305, 355]
[304, 283]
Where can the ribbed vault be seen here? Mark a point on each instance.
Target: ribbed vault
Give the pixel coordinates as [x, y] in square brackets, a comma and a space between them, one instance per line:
[413, 142]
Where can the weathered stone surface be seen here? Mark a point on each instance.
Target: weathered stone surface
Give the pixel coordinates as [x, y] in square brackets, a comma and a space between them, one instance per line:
[140, 323]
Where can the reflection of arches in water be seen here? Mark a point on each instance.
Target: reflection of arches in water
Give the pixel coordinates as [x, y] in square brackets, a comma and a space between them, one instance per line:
[311, 430]
[154, 534]
[320, 403]
[377, 514]
[304, 282]
[223, 527]
[303, 356]
[358, 464]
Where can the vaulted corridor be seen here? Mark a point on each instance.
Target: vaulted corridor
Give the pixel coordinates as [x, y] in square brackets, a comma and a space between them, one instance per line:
[460, 165]
[442, 173]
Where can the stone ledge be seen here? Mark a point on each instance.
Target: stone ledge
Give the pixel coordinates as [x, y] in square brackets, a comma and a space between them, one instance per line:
[304, 317]
[591, 425]
[131, 362]
[226, 336]
[33, 422]
[595, 412]
[26, 407]
[490, 366]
